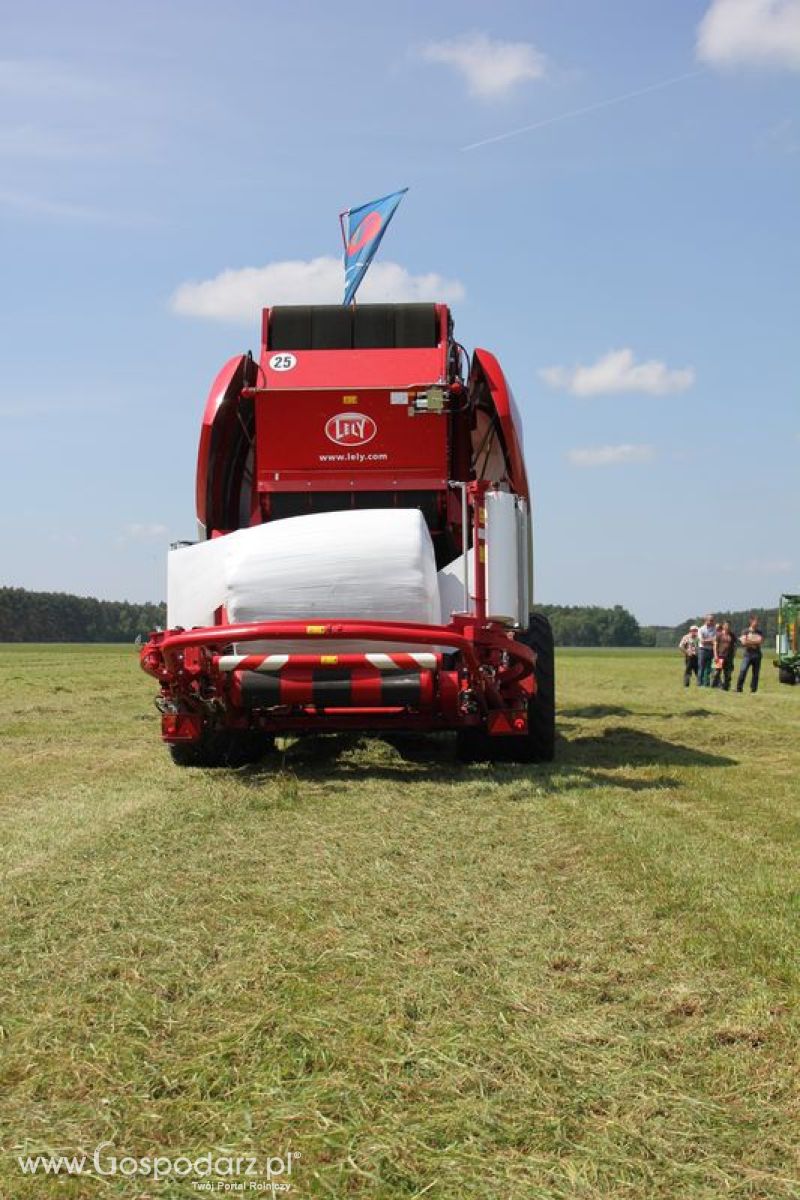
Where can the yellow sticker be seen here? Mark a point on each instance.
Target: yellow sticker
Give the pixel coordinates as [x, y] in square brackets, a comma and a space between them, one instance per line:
[349, 399]
[315, 629]
[328, 660]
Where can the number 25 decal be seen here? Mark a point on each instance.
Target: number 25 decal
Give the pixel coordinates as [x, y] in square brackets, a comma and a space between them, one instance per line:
[282, 362]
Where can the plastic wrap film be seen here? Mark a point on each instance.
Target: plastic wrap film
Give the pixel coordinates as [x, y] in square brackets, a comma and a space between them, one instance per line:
[506, 558]
[195, 583]
[370, 564]
[451, 586]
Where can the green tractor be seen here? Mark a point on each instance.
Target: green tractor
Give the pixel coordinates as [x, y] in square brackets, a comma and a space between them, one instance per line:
[788, 640]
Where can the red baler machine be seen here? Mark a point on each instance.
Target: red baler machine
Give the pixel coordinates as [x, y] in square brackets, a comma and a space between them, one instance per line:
[351, 409]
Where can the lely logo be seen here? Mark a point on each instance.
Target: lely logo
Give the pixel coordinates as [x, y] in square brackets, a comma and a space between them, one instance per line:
[350, 429]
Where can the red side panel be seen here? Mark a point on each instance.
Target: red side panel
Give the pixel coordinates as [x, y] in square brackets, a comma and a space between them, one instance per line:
[508, 415]
[407, 367]
[228, 381]
[332, 441]
[353, 369]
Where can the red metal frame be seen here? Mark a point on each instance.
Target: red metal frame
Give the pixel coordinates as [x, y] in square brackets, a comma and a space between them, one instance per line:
[486, 365]
[222, 387]
[299, 453]
[477, 672]
[410, 368]
[495, 675]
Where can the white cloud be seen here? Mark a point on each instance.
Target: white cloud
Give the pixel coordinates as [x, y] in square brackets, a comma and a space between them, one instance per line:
[609, 456]
[757, 32]
[141, 531]
[239, 295]
[617, 371]
[490, 68]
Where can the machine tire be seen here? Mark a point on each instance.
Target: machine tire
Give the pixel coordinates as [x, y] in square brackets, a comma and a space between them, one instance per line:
[472, 745]
[541, 740]
[222, 748]
[539, 745]
[475, 745]
[787, 675]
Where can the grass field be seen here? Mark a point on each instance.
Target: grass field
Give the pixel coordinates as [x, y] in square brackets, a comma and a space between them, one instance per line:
[578, 980]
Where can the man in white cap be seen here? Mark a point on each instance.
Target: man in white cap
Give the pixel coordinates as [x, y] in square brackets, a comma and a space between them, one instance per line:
[688, 646]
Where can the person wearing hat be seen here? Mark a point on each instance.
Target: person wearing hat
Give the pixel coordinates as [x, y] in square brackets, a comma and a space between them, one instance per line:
[688, 646]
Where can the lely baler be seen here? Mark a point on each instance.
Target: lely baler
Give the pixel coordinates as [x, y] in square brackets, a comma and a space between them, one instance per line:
[364, 559]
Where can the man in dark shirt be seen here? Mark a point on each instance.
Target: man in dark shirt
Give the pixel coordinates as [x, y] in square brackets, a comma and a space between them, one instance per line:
[752, 640]
[724, 652]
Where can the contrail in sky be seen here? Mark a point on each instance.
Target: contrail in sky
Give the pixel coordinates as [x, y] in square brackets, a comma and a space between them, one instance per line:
[579, 112]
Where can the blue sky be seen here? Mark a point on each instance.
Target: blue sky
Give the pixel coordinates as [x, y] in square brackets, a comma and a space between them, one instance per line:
[634, 266]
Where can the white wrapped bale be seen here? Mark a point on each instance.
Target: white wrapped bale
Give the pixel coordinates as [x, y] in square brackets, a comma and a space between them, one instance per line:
[195, 583]
[370, 564]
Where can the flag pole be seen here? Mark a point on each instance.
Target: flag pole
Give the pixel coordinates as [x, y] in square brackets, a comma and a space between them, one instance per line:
[342, 215]
[370, 220]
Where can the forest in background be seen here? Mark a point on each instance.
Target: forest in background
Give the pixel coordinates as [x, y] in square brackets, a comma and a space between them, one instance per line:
[670, 635]
[27, 616]
[59, 617]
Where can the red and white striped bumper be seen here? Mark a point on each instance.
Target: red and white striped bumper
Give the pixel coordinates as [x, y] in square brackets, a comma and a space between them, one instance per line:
[264, 681]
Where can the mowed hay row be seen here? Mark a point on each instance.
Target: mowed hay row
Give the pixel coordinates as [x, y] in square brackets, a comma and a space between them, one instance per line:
[577, 980]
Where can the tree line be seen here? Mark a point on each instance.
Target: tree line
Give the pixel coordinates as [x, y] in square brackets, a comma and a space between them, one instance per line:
[670, 635]
[589, 625]
[59, 617]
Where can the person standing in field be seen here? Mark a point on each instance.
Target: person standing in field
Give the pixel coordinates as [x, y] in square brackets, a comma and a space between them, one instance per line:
[724, 654]
[705, 654]
[688, 646]
[752, 640]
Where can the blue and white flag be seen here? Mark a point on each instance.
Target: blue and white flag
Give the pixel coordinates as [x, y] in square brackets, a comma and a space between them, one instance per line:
[365, 228]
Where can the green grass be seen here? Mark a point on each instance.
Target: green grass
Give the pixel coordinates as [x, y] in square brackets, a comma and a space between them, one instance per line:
[556, 982]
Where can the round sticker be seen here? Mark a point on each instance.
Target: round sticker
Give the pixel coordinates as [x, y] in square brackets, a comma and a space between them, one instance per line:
[282, 362]
[365, 231]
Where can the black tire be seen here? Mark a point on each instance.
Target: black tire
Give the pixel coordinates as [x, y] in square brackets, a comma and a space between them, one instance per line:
[472, 745]
[222, 748]
[540, 744]
[787, 675]
[475, 745]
